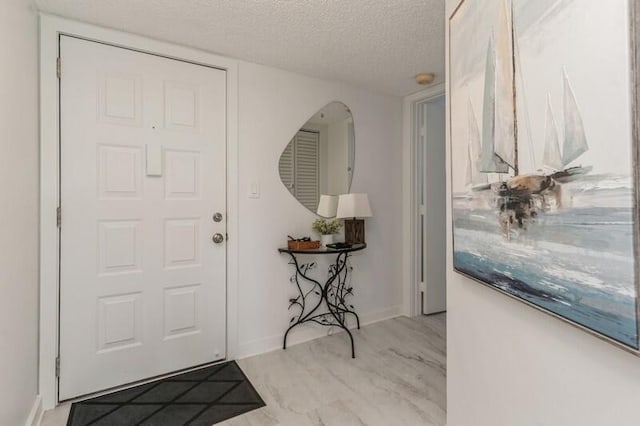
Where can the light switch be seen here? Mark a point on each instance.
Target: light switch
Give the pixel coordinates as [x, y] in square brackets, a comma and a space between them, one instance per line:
[154, 160]
[254, 190]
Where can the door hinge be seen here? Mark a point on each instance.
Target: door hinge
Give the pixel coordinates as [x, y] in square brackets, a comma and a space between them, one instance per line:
[423, 287]
[58, 217]
[57, 366]
[58, 67]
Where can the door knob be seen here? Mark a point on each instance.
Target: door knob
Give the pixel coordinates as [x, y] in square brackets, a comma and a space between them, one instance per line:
[217, 217]
[217, 238]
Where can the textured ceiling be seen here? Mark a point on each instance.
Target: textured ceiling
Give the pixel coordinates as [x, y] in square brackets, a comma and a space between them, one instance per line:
[376, 44]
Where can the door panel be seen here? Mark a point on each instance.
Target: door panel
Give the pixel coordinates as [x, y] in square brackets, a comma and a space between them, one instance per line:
[142, 151]
[432, 215]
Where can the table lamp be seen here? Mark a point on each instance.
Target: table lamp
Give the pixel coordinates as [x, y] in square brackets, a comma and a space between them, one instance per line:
[328, 205]
[353, 206]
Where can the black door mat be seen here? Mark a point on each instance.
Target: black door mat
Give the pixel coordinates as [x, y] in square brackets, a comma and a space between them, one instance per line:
[197, 398]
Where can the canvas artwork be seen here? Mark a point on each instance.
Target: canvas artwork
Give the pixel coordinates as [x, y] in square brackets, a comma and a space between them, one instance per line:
[542, 157]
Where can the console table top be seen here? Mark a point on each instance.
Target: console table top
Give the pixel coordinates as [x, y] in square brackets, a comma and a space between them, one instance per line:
[324, 250]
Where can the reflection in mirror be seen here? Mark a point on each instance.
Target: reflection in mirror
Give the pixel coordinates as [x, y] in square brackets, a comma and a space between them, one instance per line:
[320, 157]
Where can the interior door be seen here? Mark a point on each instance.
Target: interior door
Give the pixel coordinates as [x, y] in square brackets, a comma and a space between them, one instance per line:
[432, 215]
[142, 152]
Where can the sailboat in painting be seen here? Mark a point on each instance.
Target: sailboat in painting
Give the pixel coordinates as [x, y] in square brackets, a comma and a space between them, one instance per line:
[574, 143]
[521, 197]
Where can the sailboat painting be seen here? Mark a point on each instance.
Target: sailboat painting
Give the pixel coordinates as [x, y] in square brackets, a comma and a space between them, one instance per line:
[543, 180]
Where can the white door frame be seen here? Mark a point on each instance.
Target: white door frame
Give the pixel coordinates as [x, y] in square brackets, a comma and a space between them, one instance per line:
[51, 27]
[410, 251]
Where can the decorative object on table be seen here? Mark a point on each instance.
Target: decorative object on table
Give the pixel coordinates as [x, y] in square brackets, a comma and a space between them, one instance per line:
[205, 396]
[339, 246]
[326, 229]
[544, 179]
[353, 206]
[325, 304]
[305, 243]
[326, 239]
[328, 206]
[329, 134]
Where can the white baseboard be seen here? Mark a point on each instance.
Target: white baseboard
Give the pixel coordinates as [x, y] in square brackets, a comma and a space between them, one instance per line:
[385, 314]
[307, 333]
[35, 415]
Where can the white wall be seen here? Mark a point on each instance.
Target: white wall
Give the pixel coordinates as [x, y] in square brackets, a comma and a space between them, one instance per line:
[509, 364]
[19, 210]
[273, 106]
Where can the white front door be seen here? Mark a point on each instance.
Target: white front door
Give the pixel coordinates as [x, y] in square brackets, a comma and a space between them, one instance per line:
[142, 153]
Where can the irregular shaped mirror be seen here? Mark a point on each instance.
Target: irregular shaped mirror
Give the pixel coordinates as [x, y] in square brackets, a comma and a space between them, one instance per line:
[319, 158]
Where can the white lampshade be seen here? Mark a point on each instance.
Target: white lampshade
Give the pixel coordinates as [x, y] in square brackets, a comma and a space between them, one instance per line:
[328, 205]
[353, 205]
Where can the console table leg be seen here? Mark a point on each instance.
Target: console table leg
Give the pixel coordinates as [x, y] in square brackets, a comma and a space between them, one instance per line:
[353, 347]
[284, 343]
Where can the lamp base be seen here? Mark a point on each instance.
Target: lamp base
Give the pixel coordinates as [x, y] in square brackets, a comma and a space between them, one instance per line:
[354, 231]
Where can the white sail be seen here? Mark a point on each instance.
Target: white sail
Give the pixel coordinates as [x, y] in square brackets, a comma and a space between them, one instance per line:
[505, 139]
[468, 177]
[575, 141]
[551, 157]
[474, 150]
[490, 163]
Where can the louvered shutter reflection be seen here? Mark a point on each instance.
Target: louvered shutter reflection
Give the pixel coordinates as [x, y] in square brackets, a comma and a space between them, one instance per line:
[286, 166]
[299, 168]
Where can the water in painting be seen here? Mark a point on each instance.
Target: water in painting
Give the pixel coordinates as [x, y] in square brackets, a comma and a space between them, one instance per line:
[541, 148]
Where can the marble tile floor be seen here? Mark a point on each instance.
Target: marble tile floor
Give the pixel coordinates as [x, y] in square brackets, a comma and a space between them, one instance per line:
[397, 378]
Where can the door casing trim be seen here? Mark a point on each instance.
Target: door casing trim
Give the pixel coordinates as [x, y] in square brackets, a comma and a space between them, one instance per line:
[51, 27]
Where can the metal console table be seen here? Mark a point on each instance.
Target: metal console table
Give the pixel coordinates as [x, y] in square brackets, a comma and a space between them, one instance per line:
[324, 304]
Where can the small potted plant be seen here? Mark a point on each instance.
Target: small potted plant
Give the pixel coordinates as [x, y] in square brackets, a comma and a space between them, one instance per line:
[326, 229]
